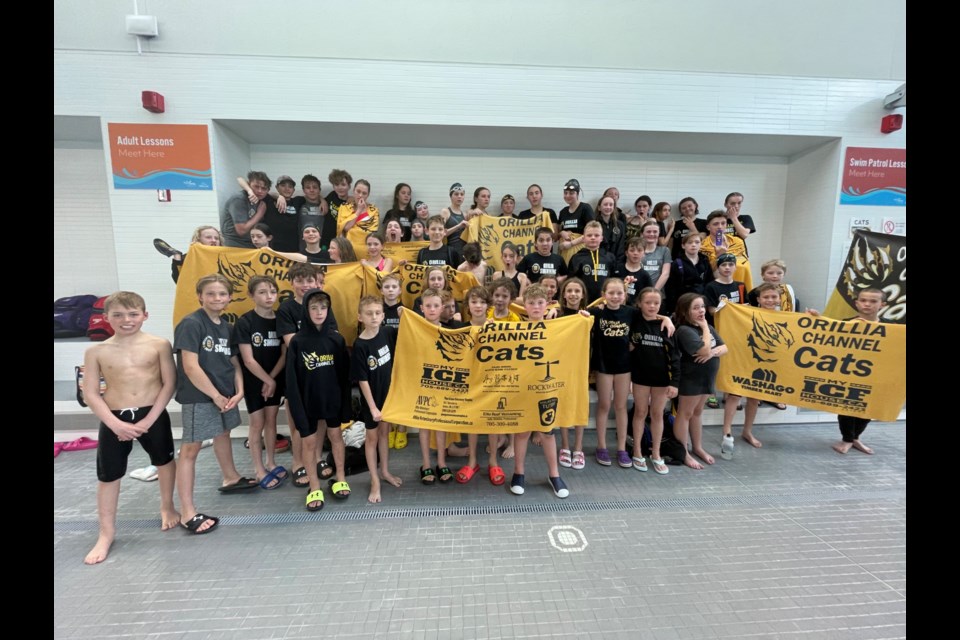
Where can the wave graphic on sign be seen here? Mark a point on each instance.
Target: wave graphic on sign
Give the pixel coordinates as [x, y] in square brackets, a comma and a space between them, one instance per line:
[885, 197]
[179, 178]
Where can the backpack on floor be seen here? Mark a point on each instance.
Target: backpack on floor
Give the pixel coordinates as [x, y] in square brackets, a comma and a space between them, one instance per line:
[71, 316]
[97, 327]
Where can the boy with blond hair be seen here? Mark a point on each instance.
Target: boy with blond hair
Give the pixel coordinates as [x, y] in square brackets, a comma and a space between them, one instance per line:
[141, 378]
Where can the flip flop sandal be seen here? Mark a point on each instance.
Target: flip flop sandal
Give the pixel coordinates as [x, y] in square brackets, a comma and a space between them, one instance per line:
[164, 248]
[465, 474]
[497, 476]
[193, 524]
[274, 480]
[660, 466]
[243, 484]
[427, 476]
[315, 496]
[444, 471]
[324, 470]
[338, 488]
[297, 475]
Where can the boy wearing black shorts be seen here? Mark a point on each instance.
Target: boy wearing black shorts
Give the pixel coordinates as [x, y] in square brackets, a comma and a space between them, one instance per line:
[140, 380]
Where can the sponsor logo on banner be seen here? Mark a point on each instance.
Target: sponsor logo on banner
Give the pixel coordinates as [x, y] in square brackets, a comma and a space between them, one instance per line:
[548, 411]
[762, 380]
[845, 397]
[547, 377]
[445, 377]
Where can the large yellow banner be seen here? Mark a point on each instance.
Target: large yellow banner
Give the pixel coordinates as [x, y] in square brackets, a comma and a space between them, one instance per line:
[408, 251]
[344, 282]
[853, 368]
[504, 377]
[493, 231]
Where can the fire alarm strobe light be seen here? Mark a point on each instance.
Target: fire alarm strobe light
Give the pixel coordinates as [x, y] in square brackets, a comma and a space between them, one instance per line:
[152, 101]
[891, 123]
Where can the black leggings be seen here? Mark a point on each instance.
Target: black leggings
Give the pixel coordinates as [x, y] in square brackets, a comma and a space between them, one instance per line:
[851, 427]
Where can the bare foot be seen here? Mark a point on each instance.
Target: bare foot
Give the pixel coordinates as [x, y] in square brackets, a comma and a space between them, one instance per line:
[859, 446]
[374, 497]
[392, 479]
[535, 438]
[842, 447]
[703, 455]
[507, 453]
[456, 451]
[169, 519]
[100, 550]
[692, 462]
[749, 438]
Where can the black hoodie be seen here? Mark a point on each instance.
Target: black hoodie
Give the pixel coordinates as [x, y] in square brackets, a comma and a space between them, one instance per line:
[318, 372]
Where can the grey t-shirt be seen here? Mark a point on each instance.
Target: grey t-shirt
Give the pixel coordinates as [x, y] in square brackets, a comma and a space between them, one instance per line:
[653, 262]
[213, 344]
[236, 210]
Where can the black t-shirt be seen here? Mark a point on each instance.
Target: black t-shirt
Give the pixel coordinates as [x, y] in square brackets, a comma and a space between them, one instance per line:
[372, 362]
[284, 225]
[593, 268]
[445, 255]
[654, 351]
[643, 281]
[526, 214]
[535, 265]
[575, 220]
[261, 334]
[680, 231]
[334, 201]
[611, 338]
[734, 293]
[747, 222]
[391, 317]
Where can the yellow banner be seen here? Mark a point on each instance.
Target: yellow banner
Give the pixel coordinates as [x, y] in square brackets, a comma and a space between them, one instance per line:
[853, 368]
[874, 260]
[492, 231]
[566, 254]
[344, 282]
[357, 235]
[413, 275]
[408, 251]
[498, 378]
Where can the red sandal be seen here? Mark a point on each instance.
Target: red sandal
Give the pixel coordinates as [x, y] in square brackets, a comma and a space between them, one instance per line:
[465, 474]
[497, 476]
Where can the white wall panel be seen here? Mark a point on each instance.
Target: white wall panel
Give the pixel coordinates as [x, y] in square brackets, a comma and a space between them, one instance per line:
[84, 259]
[850, 39]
